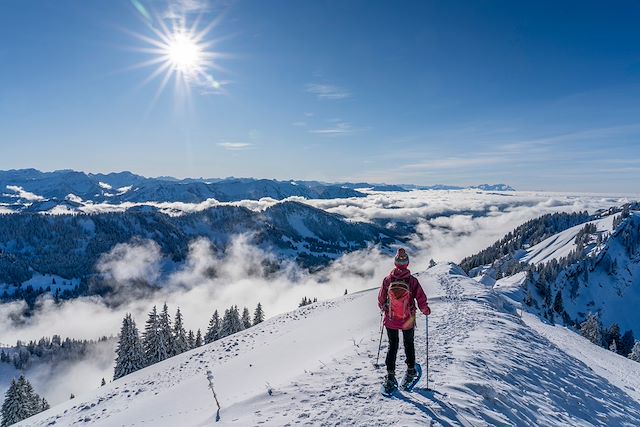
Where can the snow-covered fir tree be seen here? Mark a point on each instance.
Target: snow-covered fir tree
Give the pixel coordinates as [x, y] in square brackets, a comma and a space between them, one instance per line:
[246, 318]
[191, 339]
[180, 340]
[213, 331]
[258, 314]
[591, 329]
[198, 342]
[231, 322]
[613, 335]
[164, 327]
[130, 355]
[635, 352]
[627, 342]
[154, 343]
[21, 402]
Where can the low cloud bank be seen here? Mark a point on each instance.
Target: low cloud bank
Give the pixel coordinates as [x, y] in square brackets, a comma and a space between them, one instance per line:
[449, 226]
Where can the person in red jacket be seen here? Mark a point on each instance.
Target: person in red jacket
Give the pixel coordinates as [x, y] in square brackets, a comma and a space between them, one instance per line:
[398, 294]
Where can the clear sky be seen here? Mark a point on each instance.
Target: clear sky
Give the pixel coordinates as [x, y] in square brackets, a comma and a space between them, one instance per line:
[539, 95]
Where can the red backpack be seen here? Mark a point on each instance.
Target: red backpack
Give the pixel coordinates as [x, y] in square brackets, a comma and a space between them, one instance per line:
[399, 298]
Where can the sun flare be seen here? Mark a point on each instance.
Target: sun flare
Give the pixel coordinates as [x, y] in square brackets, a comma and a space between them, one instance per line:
[180, 53]
[184, 53]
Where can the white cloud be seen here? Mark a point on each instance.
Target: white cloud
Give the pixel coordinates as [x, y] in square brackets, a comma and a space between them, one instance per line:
[177, 9]
[128, 263]
[337, 129]
[327, 91]
[456, 162]
[235, 146]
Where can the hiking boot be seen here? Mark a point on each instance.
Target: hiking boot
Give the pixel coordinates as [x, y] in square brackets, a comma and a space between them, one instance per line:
[409, 377]
[390, 383]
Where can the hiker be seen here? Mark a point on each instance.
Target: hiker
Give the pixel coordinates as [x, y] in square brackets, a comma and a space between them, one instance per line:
[396, 298]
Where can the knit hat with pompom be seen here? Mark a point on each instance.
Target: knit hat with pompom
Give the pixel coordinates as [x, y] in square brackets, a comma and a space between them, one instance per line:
[402, 259]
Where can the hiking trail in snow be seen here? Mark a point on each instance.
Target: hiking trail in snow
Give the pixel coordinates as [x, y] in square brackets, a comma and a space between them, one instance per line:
[486, 365]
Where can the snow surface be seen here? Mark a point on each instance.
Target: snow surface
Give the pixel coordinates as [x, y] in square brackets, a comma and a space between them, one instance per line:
[488, 366]
[561, 244]
[42, 281]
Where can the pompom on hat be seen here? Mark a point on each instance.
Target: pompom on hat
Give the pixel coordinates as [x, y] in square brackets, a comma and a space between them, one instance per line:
[402, 259]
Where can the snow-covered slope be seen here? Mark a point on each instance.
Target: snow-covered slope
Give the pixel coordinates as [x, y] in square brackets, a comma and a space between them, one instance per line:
[578, 271]
[487, 365]
[561, 244]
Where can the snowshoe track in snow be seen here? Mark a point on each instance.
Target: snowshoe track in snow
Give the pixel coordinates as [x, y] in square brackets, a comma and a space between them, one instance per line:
[486, 365]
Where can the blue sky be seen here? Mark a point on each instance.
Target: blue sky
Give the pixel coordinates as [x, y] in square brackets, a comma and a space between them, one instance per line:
[544, 95]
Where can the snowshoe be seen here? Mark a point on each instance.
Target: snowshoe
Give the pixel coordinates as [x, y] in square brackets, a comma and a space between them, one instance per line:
[412, 377]
[390, 385]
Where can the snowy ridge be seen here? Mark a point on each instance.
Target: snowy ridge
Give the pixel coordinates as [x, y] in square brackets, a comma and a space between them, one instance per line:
[489, 367]
[600, 275]
[561, 244]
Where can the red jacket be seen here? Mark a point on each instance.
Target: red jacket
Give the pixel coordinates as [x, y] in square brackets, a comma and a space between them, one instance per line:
[417, 294]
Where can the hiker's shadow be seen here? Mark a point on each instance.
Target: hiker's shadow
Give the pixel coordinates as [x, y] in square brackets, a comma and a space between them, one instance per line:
[441, 411]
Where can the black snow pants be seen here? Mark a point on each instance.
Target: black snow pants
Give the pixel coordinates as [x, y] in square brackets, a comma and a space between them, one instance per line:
[394, 341]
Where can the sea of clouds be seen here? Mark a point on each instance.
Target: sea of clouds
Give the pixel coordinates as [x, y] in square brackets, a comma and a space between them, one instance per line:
[449, 226]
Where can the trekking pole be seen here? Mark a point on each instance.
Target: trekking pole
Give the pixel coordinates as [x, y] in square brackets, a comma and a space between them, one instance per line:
[380, 342]
[427, 336]
[210, 378]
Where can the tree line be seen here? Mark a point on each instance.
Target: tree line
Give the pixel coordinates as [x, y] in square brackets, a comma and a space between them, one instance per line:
[162, 338]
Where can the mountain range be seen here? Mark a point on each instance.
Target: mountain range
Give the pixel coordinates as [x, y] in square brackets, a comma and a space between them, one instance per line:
[42, 191]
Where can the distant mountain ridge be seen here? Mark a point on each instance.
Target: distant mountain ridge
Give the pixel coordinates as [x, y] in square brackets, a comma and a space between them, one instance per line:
[69, 246]
[31, 184]
[27, 186]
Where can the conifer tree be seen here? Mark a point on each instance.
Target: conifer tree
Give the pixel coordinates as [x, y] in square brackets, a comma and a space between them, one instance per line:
[238, 324]
[258, 315]
[246, 318]
[591, 329]
[154, 343]
[635, 352]
[613, 334]
[213, 331]
[21, 402]
[103, 382]
[231, 322]
[12, 409]
[226, 324]
[180, 341]
[130, 355]
[191, 339]
[625, 346]
[198, 342]
[558, 307]
[164, 327]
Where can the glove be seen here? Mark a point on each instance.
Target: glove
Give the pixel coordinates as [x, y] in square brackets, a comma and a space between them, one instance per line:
[426, 311]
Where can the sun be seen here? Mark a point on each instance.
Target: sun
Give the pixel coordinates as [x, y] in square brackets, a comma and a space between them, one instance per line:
[184, 53]
[181, 53]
